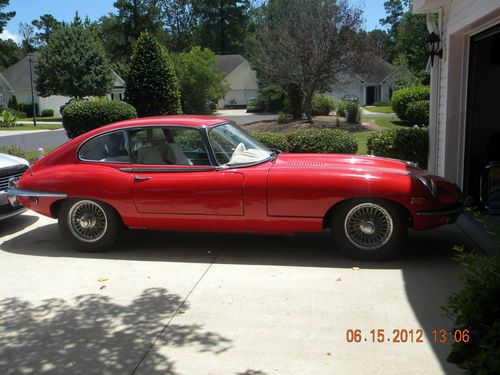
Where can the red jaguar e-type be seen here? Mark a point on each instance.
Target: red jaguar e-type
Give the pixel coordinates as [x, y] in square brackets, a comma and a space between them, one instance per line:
[200, 173]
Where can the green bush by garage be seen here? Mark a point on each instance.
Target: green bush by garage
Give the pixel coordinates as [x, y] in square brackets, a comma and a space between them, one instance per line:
[311, 141]
[48, 113]
[81, 116]
[410, 144]
[402, 98]
[417, 113]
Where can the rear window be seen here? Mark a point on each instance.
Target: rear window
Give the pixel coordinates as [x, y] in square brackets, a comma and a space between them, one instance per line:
[110, 147]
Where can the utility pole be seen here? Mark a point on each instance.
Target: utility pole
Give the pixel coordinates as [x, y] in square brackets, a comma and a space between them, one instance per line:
[31, 58]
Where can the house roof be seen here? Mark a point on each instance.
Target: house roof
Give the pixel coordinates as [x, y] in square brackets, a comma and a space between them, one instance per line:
[377, 70]
[227, 63]
[18, 75]
[4, 83]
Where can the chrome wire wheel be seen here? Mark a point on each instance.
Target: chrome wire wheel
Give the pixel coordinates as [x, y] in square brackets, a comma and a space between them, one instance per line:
[368, 226]
[87, 221]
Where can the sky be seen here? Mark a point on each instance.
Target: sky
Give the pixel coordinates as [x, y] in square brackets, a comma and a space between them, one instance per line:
[64, 10]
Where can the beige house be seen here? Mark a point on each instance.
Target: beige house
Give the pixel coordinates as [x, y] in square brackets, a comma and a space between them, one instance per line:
[15, 80]
[242, 80]
[464, 122]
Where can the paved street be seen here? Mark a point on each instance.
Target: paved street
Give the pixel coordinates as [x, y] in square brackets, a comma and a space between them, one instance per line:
[32, 140]
[172, 303]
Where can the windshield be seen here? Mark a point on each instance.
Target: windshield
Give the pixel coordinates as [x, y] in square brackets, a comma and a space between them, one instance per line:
[232, 146]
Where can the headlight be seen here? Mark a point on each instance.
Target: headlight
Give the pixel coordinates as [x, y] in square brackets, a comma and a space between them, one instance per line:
[430, 185]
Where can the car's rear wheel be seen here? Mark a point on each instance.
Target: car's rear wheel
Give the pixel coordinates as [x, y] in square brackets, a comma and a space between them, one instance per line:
[369, 229]
[89, 225]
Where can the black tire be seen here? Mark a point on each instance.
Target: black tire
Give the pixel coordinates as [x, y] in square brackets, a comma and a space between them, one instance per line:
[89, 225]
[369, 229]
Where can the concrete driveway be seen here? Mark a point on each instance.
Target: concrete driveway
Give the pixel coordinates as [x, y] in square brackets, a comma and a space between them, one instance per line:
[173, 303]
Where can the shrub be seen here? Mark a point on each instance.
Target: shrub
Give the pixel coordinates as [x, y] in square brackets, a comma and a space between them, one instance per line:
[152, 86]
[16, 113]
[28, 108]
[403, 97]
[283, 118]
[13, 150]
[476, 308]
[271, 98]
[273, 140]
[405, 144]
[8, 119]
[48, 113]
[80, 116]
[212, 107]
[322, 105]
[352, 112]
[417, 113]
[322, 141]
[341, 108]
[13, 103]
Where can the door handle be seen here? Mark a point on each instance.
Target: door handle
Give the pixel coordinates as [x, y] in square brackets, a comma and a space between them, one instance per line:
[141, 178]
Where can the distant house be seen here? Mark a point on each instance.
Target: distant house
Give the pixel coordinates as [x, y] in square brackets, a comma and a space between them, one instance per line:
[369, 86]
[15, 80]
[241, 78]
[6, 91]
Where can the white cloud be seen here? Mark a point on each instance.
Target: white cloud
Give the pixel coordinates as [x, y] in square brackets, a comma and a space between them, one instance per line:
[6, 34]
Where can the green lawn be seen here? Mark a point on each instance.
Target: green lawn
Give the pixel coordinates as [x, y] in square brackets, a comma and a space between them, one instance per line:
[39, 126]
[387, 109]
[42, 119]
[389, 122]
[30, 155]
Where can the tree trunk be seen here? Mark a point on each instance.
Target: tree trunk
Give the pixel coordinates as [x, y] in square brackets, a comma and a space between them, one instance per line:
[308, 106]
[296, 97]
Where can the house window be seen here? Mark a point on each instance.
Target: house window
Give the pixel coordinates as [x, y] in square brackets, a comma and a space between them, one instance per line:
[112, 96]
[121, 97]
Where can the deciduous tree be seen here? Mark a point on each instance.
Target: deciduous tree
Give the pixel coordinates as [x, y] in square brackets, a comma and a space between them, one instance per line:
[73, 64]
[199, 79]
[307, 44]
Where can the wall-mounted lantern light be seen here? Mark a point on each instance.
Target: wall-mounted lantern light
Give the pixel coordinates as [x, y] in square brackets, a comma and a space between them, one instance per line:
[433, 45]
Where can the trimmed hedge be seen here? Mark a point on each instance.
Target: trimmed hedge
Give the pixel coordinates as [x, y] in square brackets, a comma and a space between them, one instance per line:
[273, 140]
[417, 113]
[322, 141]
[403, 97]
[48, 113]
[406, 144]
[322, 105]
[81, 116]
[350, 110]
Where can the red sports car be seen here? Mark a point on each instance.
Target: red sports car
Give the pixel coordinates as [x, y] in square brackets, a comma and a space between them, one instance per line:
[200, 173]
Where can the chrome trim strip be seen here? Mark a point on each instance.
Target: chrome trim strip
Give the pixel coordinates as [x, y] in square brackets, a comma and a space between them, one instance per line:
[167, 169]
[453, 211]
[34, 193]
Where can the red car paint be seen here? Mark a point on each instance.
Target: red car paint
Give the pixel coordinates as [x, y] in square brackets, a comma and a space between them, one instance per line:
[291, 193]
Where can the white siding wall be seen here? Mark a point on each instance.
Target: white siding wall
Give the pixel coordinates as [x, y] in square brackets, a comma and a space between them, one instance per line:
[243, 83]
[52, 102]
[461, 18]
[348, 84]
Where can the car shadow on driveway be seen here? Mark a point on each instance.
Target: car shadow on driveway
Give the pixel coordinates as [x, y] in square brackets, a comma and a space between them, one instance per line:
[428, 272]
[16, 224]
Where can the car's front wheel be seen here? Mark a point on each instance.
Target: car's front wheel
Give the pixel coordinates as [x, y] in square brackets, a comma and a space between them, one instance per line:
[369, 229]
[89, 225]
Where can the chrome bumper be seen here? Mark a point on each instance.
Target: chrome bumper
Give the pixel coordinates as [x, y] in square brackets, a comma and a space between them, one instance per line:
[13, 192]
[453, 211]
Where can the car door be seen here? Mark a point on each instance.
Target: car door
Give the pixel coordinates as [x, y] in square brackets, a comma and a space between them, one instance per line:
[172, 174]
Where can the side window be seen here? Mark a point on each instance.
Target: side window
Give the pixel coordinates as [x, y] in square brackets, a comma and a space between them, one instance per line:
[168, 146]
[110, 147]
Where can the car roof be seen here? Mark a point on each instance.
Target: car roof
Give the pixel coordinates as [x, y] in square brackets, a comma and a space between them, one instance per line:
[187, 120]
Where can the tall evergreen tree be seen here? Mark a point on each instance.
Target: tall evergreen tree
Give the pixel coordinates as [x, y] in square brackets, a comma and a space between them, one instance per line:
[152, 86]
[74, 64]
[45, 26]
[223, 25]
[5, 17]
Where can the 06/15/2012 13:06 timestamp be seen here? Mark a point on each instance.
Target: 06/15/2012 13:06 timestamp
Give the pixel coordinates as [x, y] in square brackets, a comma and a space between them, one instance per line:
[406, 336]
